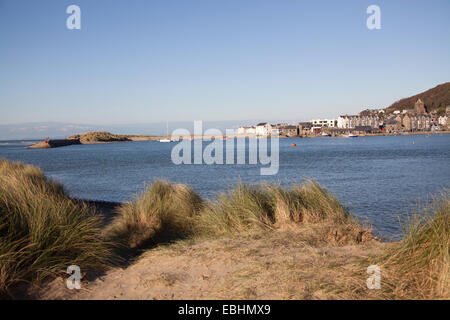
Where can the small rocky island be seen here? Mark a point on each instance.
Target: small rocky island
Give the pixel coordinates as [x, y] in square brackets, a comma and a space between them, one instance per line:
[89, 138]
[98, 137]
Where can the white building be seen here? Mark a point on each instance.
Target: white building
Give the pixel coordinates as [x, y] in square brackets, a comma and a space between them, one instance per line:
[329, 123]
[343, 122]
[263, 129]
[443, 120]
[246, 130]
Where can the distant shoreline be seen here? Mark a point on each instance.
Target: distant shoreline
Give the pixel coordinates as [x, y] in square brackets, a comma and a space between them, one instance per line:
[68, 142]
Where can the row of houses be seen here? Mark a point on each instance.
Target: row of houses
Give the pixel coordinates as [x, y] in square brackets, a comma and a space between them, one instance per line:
[409, 123]
[404, 121]
[368, 121]
[284, 129]
[399, 123]
[350, 122]
[416, 119]
[416, 122]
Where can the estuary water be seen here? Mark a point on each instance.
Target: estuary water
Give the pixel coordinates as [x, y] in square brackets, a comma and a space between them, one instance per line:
[378, 179]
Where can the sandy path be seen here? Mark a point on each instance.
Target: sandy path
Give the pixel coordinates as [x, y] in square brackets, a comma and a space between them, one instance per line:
[279, 265]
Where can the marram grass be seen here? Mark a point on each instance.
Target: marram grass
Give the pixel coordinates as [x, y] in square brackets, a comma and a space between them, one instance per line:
[165, 212]
[268, 207]
[419, 267]
[42, 231]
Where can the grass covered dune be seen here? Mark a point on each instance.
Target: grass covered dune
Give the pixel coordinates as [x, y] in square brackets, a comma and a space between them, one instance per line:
[42, 230]
[239, 236]
[166, 211]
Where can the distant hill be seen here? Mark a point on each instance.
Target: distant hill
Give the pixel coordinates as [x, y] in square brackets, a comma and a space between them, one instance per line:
[435, 99]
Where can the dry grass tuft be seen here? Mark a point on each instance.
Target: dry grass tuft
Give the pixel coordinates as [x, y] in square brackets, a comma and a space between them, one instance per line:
[42, 231]
[419, 267]
[267, 207]
[241, 209]
[163, 212]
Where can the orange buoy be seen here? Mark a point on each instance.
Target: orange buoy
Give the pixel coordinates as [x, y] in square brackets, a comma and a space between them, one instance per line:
[293, 144]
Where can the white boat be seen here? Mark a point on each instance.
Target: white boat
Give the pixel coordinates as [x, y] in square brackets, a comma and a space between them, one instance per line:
[167, 134]
[351, 135]
[324, 134]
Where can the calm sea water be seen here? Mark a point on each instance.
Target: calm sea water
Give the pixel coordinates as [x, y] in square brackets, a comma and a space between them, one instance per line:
[377, 178]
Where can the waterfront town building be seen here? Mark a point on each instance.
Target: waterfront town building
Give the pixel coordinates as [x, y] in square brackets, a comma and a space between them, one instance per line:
[419, 107]
[399, 119]
[287, 130]
[411, 122]
[246, 130]
[392, 125]
[406, 122]
[418, 122]
[267, 129]
[304, 128]
[328, 123]
[263, 129]
[350, 122]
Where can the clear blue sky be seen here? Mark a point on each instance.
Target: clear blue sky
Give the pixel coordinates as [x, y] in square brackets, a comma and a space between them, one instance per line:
[156, 60]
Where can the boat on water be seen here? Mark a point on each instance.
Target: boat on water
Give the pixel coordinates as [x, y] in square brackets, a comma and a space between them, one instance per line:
[351, 135]
[167, 134]
[324, 134]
